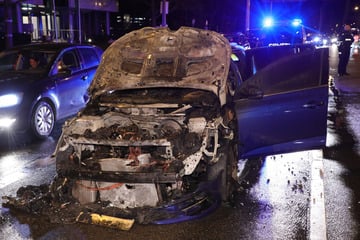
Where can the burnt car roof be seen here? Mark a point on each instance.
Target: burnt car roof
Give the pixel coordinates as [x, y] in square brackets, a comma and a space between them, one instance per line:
[153, 57]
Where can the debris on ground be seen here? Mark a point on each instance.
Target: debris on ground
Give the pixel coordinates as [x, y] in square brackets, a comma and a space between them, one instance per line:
[107, 221]
[56, 202]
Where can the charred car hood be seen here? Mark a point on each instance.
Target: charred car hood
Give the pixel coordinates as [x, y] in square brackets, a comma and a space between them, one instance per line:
[159, 57]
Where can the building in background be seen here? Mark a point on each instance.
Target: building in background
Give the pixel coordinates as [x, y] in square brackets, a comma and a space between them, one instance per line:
[56, 20]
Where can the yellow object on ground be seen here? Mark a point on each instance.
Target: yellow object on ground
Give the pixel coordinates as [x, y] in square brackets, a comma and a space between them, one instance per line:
[106, 221]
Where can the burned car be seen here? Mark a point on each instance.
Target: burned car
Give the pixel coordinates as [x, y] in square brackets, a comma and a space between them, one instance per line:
[172, 113]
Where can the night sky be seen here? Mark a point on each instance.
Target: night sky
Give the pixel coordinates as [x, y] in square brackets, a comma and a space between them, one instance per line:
[229, 15]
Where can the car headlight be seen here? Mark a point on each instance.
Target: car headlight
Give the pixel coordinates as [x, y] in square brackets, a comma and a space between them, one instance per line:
[10, 100]
[6, 122]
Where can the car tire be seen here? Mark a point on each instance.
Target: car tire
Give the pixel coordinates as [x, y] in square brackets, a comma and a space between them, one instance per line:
[223, 171]
[42, 120]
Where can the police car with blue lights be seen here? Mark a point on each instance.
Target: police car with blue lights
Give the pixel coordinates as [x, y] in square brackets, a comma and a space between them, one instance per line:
[278, 32]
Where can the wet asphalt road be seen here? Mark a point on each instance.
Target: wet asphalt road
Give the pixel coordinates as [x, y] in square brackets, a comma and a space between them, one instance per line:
[275, 201]
[342, 170]
[273, 204]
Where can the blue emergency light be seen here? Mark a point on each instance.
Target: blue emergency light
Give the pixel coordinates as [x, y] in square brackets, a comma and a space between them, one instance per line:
[268, 22]
[296, 22]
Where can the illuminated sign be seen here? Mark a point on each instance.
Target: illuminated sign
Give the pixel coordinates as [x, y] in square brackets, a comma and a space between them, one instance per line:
[35, 2]
[99, 5]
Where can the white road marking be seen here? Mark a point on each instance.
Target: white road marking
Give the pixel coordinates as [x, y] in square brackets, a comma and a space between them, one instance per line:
[317, 203]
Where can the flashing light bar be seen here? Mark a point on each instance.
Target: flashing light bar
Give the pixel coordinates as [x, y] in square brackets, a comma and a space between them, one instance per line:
[269, 22]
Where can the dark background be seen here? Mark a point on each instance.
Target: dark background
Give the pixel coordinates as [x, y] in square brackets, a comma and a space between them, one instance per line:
[229, 15]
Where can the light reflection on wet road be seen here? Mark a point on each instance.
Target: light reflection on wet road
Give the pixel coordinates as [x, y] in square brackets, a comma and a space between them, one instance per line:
[342, 170]
[342, 160]
[352, 106]
[284, 188]
[11, 170]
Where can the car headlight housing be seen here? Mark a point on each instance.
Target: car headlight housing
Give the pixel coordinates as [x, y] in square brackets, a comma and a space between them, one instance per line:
[6, 122]
[9, 100]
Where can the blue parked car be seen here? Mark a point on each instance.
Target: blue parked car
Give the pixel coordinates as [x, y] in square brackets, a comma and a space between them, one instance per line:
[171, 114]
[42, 83]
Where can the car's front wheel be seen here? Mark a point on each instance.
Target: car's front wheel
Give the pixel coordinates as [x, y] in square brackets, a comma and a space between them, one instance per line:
[42, 120]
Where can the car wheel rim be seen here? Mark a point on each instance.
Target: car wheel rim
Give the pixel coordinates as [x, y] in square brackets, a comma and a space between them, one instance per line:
[44, 120]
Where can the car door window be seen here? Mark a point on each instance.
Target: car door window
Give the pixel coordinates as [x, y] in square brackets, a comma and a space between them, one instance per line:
[90, 57]
[284, 69]
[68, 60]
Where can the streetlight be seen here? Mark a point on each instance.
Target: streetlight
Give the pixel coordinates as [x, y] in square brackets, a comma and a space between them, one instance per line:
[247, 20]
[9, 24]
[164, 8]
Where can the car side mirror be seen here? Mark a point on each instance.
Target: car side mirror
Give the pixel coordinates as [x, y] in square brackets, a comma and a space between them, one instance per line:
[251, 92]
[255, 93]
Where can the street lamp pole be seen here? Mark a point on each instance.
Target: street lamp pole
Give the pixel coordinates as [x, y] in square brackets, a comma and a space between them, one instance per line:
[164, 9]
[54, 20]
[8, 25]
[77, 6]
[247, 18]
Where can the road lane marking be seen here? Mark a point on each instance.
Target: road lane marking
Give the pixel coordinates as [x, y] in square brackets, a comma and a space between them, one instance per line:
[317, 203]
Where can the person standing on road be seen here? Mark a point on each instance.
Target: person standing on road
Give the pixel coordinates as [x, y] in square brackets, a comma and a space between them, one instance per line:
[345, 39]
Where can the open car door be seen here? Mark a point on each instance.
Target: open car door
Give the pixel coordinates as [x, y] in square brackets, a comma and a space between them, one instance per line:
[281, 105]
